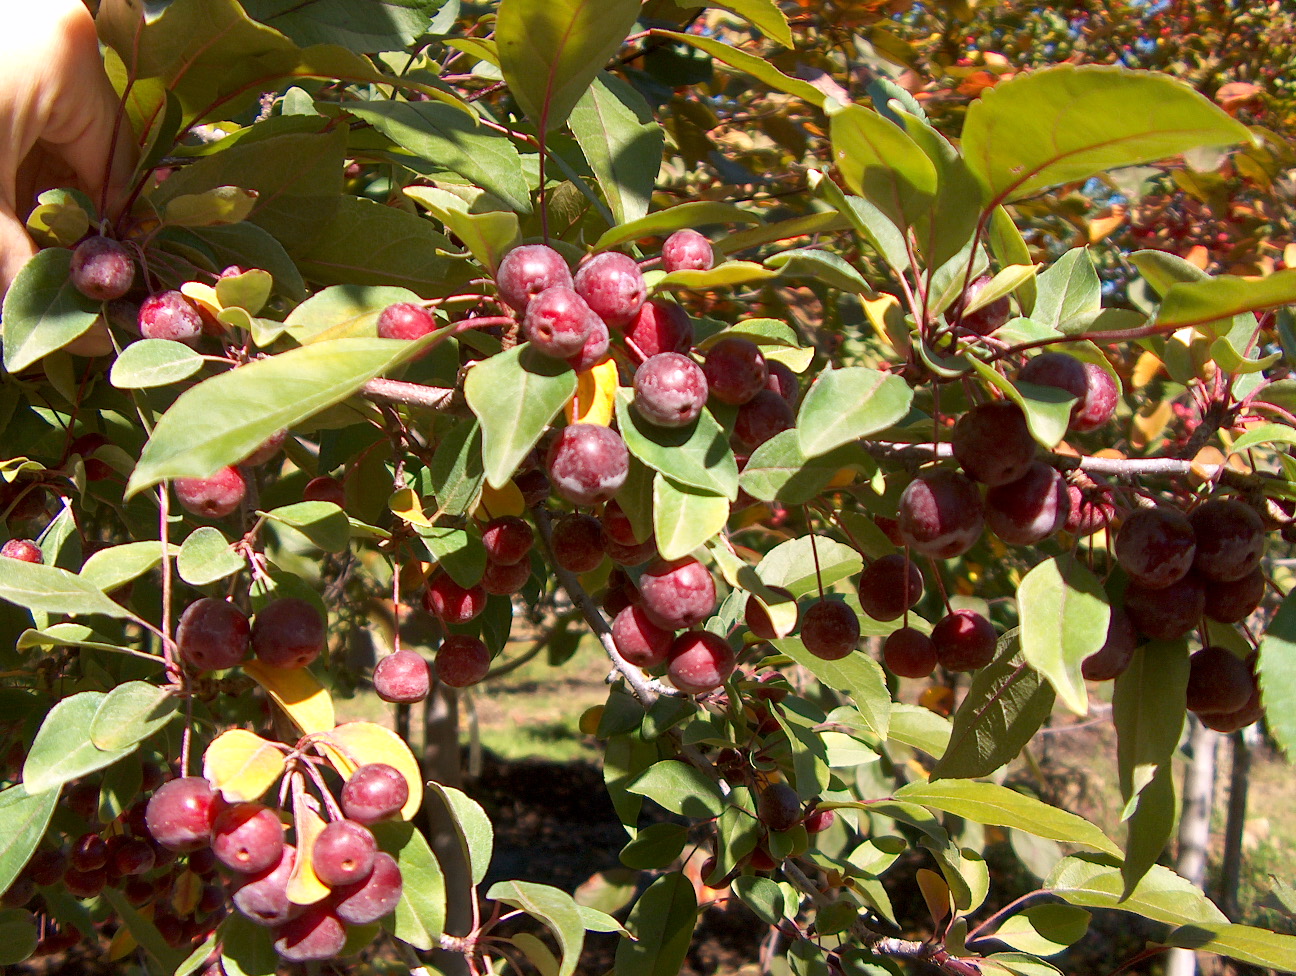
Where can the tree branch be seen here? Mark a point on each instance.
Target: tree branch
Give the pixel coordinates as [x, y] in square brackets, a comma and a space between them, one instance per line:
[415, 394]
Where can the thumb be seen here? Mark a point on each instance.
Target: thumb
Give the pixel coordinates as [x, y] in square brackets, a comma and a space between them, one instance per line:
[16, 248]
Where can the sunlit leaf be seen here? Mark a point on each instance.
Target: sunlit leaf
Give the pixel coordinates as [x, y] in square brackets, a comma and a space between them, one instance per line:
[242, 765]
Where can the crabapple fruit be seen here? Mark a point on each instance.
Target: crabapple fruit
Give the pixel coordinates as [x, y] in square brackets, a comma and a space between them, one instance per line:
[1156, 546]
[213, 497]
[314, 935]
[1059, 370]
[1166, 612]
[761, 418]
[325, 489]
[501, 579]
[288, 633]
[1234, 601]
[699, 662]
[686, 250]
[612, 285]
[374, 792]
[213, 635]
[462, 660]
[1030, 509]
[964, 640]
[889, 586]
[101, 269]
[263, 897]
[1230, 539]
[670, 390]
[344, 853]
[557, 323]
[596, 346]
[507, 540]
[830, 630]
[758, 619]
[1218, 681]
[169, 315]
[588, 463]
[577, 542]
[639, 640]
[23, 550]
[1098, 405]
[372, 898]
[992, 443]
[451, 603]
[179, 813]
[247, 837]
[1111, 660]
[783, 382]
[909, 653]
[778, 807]
[735, 370]
[660, 326]
[940, 513]
[402, 678]
[677, 594]
[526, 271]
[405, 320]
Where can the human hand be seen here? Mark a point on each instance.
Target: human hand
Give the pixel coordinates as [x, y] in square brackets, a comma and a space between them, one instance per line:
[58, 111]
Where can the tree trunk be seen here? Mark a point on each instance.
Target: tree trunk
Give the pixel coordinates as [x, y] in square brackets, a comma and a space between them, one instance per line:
[1194, 827]
[1239, 780]
[442, 764]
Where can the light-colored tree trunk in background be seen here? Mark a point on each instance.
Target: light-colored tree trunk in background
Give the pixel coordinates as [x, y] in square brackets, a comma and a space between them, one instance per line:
[1194, 826]
[1239, 780]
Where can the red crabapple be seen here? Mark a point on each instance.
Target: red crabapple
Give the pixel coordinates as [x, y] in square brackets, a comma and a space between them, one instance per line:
[402, 678]
[499, 579]
[325, 489]
[1030, 509]
[985, 319]
[268, 449]
[577, 542]
[1098, 405]
[526, 271]
[179, 813]
[1059, 370]
[588, 463]
[451, 603]
[1090, 510]
[830, 630]
[1230, 539]
[1156, 546]
[557, 323]
[677, 594]
[941, 514]
[462, 661]
[699, 662]
[169, 315]
[670, 390]
[344, 853]
[213, 497]
[405, 320]
[213, 635]
[735, 370]
[889, 586]
[758, 619]
[761, 418]
[1111, 660]
[596, 346]
[778, 807]
[1218, 681]
[101, 269]
[23, 550]
[965, 641]
[373, 898]
[263, 897]
[1233, 602]
[507, 540]
[660, 326]
[288, 633]
[783, 382]
[247, 837]
[639, 640]
[1166, 612]
[374, 792]
[992, 443]
[686, 250]
[314, 935]
[612, 285]
[616, 525]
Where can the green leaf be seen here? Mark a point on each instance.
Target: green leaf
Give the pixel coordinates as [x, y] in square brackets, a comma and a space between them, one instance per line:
[1264, 434]
[63, 749]
[323, 523]
[551, 50]
[247, 244]
[553, 907]
[476, 835]
[247, 949]
[762, 896]
[1006, 705]
[843, 405]
[224, 419]
[461, 555]
[343, 312]
[680, 788]
[622, 144]
[764, 16]
[726, 275]
[1065, 123]
[450, 138]
[153, 362]
[1064, 617]
[882, 164]
[515, 395]
[206, 556]
[1151, 824]
[998, 806]
[1148, 711]
[129, 714]
[820, 265]
[18, 936]
[420, 915]
[685, 517]
[698, 213]
[758, 67]
[656, 846]
[778, 470]
[489, 236]
[698, 455]
[380, 25]
[143, 930]
[1210, 300]
[110, 568]
[1068, 290]
[23, 819]
[662, 923]
[456, 471]
[1044, 929]
[944, 228]
[53, 590]
[1009, 247]
[1277, 672]
[42, 310]
[919, 728]
[1245, 943]
[791, 564]
[870, 223]
[1047, 408]
[857, 674]
[366, 243]
[297, 176]
[219, 205]
[1163, 896]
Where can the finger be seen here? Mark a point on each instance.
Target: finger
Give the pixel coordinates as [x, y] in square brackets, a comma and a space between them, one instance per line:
[16, 248]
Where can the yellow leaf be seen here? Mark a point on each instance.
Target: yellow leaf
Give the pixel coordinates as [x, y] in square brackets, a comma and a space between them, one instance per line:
[595, 395]
[204, 296]
[298, 693]
[355, 744]
[1150, 421]
[185, 893]
[887, 318]
[242, 765]
[123, 943]
[304, 885]
[935, 893]
[407, 505]
[497, 502]
[1145, 369]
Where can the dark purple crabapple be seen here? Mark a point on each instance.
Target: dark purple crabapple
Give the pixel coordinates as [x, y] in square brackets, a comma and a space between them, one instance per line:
[758, 619]
[1218, 681]
[778, 807]
[1098, 405]
[588, 463]
[1230, 539]
[526, 271]
[830, 630]
[909, 653]
[507, 539]
[1058, 370]
[1166, 612]
[761, 418]
[1030, 509]
[1111, 660]
[940, 513]
[1234, 601]
[501, 579]
[1156, 546]
[687, 250]
[670, 390]
[213, 497]
[964, 640]
[213, 635]
[288, 633]
[783, 382]
[325, 489]
[735, 370]
[889, 586]
[612, 285]
[992, 443]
